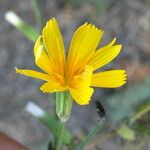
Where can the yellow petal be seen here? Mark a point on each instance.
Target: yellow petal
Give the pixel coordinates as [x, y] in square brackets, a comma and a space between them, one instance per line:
[80, 89]
[41, 57]
[84, 42]
[53, 43]
[33, 74]
[82, 96]
[82, 80]
[110, 44]
[52, 86]
[104, 55]
[109, 79]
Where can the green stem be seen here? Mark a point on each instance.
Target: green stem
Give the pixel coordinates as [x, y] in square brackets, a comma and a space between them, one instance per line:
[91, 135]
[60, 138]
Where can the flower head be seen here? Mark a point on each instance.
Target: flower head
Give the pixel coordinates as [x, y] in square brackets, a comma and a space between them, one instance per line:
[74, 72]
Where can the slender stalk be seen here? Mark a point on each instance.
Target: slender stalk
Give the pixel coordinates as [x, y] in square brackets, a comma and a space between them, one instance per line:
[37, 11]
[145, 108]
[91, 135]
[60, 138]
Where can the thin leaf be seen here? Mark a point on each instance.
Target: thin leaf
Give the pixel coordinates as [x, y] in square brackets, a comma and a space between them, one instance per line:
[124, 103]
[49, 121]
[37, 12]
[55, 127]
[98, 127]
[145, 108]
[27, 30]
[125, 132]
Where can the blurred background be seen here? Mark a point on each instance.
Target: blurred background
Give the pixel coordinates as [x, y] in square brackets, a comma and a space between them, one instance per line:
[127, 108]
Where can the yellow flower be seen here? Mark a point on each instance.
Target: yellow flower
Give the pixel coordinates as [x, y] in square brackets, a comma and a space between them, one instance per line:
[74, 71]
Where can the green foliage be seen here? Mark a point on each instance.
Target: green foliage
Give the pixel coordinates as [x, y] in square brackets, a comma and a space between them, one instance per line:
[28, 31]
[55, 128]
[125, 103]
[37, 12]
[143, 109]
[98, 127]
[125, 132]
[142, 129]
